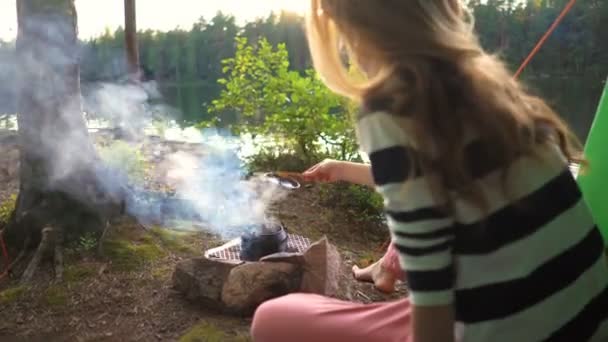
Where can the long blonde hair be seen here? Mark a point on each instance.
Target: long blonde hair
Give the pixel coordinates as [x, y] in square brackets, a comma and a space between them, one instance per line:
[429, 62]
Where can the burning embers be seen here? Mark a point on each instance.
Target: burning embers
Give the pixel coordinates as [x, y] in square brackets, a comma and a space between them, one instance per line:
[262, 240]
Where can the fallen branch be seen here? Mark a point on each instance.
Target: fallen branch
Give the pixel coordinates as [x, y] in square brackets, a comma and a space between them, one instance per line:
[363, 295]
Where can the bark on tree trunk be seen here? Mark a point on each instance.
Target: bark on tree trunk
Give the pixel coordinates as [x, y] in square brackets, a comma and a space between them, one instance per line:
[131, 40]
[60, 184]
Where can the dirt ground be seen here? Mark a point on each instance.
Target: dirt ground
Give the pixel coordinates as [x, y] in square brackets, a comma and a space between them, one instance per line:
[125, 294]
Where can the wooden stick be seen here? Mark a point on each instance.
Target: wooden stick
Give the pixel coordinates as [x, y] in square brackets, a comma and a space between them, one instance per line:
[286, 174]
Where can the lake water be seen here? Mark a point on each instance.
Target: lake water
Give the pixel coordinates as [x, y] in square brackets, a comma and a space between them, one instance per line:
[575, 98]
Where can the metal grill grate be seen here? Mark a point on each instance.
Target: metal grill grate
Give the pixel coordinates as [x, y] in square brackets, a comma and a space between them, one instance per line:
[232, 249]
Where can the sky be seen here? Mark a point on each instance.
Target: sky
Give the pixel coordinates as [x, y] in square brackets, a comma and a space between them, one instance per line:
[94, 16]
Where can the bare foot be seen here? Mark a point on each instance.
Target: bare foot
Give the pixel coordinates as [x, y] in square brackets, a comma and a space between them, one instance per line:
[376, 273]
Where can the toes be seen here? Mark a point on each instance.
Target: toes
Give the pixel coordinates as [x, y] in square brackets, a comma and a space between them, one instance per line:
[361, 274]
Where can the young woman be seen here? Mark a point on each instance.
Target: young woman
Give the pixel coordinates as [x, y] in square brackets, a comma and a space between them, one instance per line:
[492, 232]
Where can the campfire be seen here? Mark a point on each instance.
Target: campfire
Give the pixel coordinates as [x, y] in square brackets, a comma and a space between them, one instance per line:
[260, 241]
[259, 258]
[263, 262]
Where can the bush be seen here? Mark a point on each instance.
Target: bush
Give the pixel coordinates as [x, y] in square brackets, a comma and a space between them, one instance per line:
[267, 160]
[295, 111]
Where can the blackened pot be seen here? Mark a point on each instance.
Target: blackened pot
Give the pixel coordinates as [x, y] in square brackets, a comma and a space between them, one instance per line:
[255, 246]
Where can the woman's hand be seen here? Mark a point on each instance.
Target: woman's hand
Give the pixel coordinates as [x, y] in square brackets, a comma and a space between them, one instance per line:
[328, 170]
[331, 170]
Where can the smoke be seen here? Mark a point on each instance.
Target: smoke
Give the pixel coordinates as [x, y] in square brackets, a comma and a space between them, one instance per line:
[216, 185]
[127, 106]
[212, 188]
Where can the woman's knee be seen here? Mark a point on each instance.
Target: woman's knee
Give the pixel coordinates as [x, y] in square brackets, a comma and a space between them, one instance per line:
[265, 315]
[277, 317]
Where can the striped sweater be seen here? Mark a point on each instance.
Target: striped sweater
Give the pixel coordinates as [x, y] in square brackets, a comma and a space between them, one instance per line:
[531, 268]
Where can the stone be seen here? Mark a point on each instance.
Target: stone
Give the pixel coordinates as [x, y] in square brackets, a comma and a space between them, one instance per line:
[321, 272]
[201, 279]
[251, 284]
[290, 258]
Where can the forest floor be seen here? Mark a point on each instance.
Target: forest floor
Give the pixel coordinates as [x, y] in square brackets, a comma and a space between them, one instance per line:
[127, 294]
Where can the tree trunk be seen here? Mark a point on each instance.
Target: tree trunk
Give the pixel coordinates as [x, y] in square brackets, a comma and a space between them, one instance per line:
[131, 40]
[61, 183]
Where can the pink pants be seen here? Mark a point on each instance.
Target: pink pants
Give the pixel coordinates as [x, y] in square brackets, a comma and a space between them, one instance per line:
[314, 318]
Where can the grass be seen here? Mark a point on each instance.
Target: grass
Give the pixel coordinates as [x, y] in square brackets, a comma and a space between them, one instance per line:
[56, 296]
[206, 332]
[12, 294]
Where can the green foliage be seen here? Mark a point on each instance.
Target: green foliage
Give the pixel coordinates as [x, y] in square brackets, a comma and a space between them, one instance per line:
[6, 209]
[121, 156]
[81, 244]
[293, 109]
[12, 294]
[87, 242]
[266, 159]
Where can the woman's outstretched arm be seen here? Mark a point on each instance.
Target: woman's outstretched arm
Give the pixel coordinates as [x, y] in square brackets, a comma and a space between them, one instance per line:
[334, 171]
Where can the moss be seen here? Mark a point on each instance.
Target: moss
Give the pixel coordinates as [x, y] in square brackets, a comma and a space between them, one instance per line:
[12, 294]
[162, 272]
[130, 256]
[6, 208]
[76, 273]
[205, 332]
[56, 296]
[174, 241]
